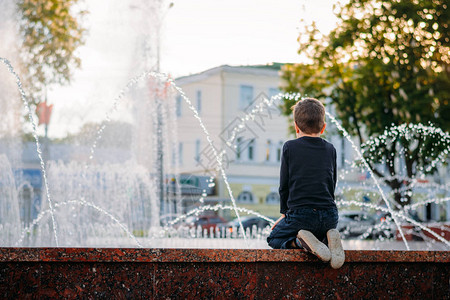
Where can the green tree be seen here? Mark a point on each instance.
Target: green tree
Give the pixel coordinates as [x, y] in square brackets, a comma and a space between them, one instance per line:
[386, 63]
[51, 32]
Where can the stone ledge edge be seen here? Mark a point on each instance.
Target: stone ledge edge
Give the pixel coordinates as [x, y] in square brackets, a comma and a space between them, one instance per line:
[157, 255]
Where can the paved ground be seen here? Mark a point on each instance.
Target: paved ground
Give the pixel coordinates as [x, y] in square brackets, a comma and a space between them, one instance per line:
[393, 245]
[261, 244]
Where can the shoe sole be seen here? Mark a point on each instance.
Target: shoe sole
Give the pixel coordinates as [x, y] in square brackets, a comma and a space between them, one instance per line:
[313, 245]
[337, 252]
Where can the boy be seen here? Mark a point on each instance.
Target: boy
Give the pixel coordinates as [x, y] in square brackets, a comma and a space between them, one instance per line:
[309, 214]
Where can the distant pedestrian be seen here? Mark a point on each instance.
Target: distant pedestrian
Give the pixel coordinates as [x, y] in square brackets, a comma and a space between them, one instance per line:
[308, 176]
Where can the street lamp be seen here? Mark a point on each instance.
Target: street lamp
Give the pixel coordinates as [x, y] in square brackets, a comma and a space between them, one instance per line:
[159, 128]
[158, 98]
[158, 36]
[154, 9]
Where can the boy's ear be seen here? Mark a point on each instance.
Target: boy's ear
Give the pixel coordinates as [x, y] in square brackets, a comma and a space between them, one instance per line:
[323, 128]
[297, 130]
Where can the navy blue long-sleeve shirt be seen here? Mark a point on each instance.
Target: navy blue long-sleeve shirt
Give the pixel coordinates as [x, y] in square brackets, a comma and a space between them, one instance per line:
[307, 174]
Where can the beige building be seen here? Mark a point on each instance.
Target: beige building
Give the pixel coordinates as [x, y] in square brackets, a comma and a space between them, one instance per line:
[224, 96]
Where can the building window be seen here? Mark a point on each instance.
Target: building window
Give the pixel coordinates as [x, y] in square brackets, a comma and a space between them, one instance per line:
[180, 153]
[178, 106]
[246, 96]
[174, 156]
[251, 150]
[273, 92]
[273, 198]
[199, 101]
[238, 148]
[197, 150]
[280, 146]
[245, 197]
[268, 150]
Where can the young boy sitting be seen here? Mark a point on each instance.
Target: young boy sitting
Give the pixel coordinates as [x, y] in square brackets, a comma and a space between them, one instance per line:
[309, 214]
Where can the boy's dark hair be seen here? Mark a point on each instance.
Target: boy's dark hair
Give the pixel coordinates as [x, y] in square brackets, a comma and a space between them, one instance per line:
[309, 115]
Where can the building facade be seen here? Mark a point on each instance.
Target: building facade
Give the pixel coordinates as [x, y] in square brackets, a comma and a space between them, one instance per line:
[225, 96]
[250, 148]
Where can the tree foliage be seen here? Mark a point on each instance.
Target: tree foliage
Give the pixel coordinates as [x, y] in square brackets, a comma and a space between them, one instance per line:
[51, 32]
[386, 63]
[407, 151]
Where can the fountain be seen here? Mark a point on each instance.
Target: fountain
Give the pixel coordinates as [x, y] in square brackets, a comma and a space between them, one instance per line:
[131, 190]
[94, 200]
[105, 198]
[106, 218]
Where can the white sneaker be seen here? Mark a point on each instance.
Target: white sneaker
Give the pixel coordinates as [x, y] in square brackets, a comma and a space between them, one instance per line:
[313, 245]
[337, 252]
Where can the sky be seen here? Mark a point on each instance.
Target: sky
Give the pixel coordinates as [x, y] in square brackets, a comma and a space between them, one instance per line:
[236, 32]
[195, 35]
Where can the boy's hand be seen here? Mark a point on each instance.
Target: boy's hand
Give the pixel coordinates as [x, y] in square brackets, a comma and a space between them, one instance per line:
[278, 221]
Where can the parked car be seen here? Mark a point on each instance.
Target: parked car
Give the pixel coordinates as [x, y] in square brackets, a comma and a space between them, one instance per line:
[251, 222]
[206, 221]
[355, 223]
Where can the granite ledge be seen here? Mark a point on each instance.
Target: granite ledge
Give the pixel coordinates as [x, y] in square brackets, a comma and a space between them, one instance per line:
[156, 255]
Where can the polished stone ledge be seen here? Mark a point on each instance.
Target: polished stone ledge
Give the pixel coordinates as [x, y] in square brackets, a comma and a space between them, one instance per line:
[207, 255]
[112, 273]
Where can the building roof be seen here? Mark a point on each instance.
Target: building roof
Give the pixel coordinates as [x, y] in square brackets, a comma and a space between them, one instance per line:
[271, 70]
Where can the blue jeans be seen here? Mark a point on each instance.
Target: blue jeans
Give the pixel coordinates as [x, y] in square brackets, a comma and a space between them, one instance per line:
[317, 221]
